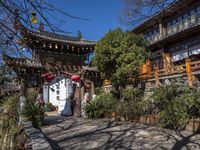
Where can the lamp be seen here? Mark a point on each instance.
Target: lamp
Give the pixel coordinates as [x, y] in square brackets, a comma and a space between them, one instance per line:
[33, 18]
[56, 46]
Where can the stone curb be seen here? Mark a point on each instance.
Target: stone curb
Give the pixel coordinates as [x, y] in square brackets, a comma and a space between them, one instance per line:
[36, 136]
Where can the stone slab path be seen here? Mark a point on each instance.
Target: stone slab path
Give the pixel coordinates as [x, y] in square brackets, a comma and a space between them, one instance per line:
[70, 133]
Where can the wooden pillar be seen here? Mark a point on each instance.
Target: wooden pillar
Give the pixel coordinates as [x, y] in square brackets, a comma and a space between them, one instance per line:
[189, 72]
[77, 99]
[157, 77]
[148, 63]
[161, 28]
[167, 61]
[82, 92]
[22, 88]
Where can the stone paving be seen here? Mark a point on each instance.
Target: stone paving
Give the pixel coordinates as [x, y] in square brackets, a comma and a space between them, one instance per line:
[81, 134]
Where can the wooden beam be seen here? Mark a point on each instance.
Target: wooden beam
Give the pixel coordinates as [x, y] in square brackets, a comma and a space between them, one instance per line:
[148, 63]
[189, 72]
[167, 61]
[157, 77]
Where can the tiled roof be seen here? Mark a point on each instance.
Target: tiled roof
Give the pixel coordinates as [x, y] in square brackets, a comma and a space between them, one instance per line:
[21, 62]
[58, 38]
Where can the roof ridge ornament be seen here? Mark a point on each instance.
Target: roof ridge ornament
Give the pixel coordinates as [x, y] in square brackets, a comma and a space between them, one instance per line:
[79, 34]
[41, 27]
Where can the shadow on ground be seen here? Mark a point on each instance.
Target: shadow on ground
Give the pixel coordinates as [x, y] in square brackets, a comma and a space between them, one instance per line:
[185, 140]
[53, 120]
[74, 133]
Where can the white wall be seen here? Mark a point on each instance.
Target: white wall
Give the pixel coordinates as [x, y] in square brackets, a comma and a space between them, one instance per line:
[52, 95]
[64, 87]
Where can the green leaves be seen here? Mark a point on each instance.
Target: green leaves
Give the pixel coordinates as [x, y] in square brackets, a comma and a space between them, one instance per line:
[33, 112]
[176, 104]
[132, 104]
[106, 104]
[119, 54]
[9, 121]
[103, 104]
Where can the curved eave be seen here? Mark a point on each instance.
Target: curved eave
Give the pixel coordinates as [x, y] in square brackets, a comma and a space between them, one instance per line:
[16, 63]
[57, 38]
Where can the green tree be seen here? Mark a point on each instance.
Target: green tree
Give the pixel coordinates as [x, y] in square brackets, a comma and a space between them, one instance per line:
[118, 56]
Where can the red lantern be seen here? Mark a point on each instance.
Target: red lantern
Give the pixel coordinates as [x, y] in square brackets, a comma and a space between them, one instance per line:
[75, 78]
[50, 78]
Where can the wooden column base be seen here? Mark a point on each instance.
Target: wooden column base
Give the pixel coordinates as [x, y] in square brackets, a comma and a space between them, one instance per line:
[77, 102]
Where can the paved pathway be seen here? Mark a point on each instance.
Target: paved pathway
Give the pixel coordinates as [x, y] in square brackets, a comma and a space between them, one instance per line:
[82, 134]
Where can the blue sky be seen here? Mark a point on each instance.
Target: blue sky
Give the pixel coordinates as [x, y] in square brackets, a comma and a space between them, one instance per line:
[103, 15]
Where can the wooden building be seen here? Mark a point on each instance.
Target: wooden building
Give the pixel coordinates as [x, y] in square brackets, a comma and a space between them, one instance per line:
[174, 40]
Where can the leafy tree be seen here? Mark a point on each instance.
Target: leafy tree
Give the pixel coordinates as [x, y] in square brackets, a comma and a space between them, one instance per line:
[118, 56]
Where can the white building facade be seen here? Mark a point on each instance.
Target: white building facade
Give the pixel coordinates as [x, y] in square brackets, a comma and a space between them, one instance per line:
[57, 92]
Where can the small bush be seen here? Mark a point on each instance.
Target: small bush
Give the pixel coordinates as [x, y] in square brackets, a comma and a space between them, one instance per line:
[93, 109]
[34, 113]
[173, 102]
[193, 103]
[32, 96]
[9, 117]
[48, 107]
[103, 104]
[132, 103]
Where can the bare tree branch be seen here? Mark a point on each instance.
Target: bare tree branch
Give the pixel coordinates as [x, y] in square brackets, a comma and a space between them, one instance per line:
[9, 35]
[137, 11]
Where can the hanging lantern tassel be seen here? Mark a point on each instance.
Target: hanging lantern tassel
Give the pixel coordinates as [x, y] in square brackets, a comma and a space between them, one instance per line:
[33, 18]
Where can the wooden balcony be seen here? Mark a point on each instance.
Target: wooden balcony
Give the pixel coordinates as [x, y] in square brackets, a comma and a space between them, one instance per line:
[187, 69]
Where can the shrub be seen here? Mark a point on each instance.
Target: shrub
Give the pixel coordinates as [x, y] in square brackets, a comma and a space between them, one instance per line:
[93, 109]
[103, 104]
[48, 107]
[9, 129]
[132, 103]
[173, 102]
[34, 113]
[193, 103]
[133, 94]
[32, 96]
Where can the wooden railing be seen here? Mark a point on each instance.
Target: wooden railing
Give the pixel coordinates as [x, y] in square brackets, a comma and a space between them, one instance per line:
[179, 69]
